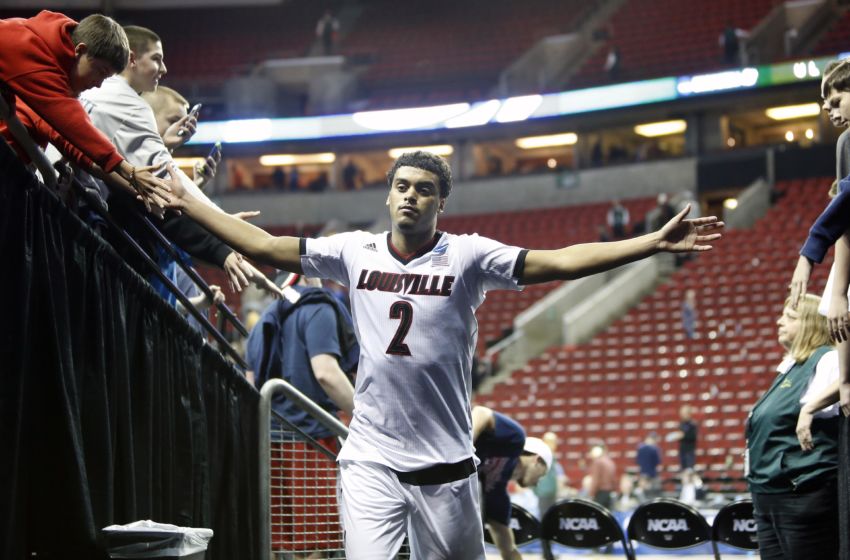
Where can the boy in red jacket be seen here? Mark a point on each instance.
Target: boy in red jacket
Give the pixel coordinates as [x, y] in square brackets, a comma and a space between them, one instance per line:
[48, 60]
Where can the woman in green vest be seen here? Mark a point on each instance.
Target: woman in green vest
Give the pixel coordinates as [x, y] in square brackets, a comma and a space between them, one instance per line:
[794, 481]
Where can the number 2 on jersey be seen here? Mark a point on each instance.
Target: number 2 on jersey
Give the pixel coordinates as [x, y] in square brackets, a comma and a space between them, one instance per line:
[404, 311]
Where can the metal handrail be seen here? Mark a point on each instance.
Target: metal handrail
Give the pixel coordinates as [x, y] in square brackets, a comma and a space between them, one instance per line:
[267, 392]
[193, 274]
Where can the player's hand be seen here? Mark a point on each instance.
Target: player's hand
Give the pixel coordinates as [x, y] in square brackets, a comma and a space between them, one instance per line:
[246, 215]
[171, 138]
[151, 190]
[844, 398]
[205, 171]
[838, 319]
[804, 429]
[800, 281]
[233, 269]
[178, 193]
[259, 279]
[680, 235]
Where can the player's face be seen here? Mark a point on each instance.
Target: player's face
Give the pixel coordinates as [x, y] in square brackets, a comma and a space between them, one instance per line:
[533, 473]
[89, 72]
[789, 325]
[148, 68]
[837, 106]
[414, 199]
[170, 113]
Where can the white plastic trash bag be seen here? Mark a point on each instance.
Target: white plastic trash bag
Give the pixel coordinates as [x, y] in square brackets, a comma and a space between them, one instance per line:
[149, 539]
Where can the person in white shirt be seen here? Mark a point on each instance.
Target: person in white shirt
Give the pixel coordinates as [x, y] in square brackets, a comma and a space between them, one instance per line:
[119, 111]
[408, 464]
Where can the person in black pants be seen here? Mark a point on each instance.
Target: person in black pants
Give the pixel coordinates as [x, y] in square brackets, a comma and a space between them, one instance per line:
[792, 450]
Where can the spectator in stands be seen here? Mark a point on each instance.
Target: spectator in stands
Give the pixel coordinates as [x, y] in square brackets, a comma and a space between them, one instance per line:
[830, 227]
[603, 476]
[789, 39]
[326, 30]
[495, 167]
[319, 183]
[554, 481]
[279, 178]
[689, 313]
[307, 339]
[506, 454]
[629, 494]
[612, 63]
[648, 459]
[793, 449]
[294, 179]
[618, 219]
[687, 197]
[169, 107]
[238, 176]
[692, 489]
[662, 212]
[118, 110]
[596, 156]
[617, 154]
[686, 435]
[730, 41]
[351, 176]
[48, 60]
[169, 110]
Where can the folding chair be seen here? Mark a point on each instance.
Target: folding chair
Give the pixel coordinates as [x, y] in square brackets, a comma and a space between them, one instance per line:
[583, 524]
[735, 526]
[525, 526]
[668, 524]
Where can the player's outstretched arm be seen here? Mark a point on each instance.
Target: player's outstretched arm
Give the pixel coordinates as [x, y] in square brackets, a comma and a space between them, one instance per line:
[280, 252]
[679, 235]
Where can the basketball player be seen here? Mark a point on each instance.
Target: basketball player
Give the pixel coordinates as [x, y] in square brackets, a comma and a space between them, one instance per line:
[407, 465]
[506, 454]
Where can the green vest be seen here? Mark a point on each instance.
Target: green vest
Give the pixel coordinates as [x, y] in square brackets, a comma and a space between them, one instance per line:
[777, 464]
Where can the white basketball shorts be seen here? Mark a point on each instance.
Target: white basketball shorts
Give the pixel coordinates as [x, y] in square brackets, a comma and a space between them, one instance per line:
[442, 521]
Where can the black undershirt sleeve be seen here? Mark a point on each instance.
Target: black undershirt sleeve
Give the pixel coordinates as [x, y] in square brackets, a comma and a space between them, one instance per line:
[519, 266]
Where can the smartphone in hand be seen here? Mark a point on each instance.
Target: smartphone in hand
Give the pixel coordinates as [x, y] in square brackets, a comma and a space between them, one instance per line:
[216, 150]
[192, 113]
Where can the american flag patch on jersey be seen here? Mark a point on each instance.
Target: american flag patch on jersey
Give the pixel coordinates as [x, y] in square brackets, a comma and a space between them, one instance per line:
[439, 257]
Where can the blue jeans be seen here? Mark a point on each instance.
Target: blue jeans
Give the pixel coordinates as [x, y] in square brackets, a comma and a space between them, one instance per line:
[798, 525]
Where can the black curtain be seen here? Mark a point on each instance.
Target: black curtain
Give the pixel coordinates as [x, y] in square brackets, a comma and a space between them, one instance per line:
[112, 409]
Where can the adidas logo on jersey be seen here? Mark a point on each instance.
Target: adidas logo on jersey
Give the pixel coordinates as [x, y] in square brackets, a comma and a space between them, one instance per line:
[370, 247]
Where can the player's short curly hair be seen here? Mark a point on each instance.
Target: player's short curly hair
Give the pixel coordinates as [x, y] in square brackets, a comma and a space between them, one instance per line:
[429, 162]
[836, 75]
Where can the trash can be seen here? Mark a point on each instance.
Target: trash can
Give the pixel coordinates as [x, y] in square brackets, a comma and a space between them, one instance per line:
[148, 539]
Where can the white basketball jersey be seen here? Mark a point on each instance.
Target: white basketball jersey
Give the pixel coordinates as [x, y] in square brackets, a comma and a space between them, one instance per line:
[415, 321]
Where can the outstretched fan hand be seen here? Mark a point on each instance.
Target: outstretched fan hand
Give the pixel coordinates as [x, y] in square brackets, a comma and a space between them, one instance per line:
[694, 235]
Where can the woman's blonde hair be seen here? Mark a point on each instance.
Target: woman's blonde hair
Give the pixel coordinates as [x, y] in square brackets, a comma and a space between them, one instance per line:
[812, 332]
[833, 189]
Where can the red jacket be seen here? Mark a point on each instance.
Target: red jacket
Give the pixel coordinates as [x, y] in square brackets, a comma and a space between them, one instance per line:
[36, 63]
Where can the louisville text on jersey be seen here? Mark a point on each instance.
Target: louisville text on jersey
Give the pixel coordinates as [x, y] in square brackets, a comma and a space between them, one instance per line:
[413, 284]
